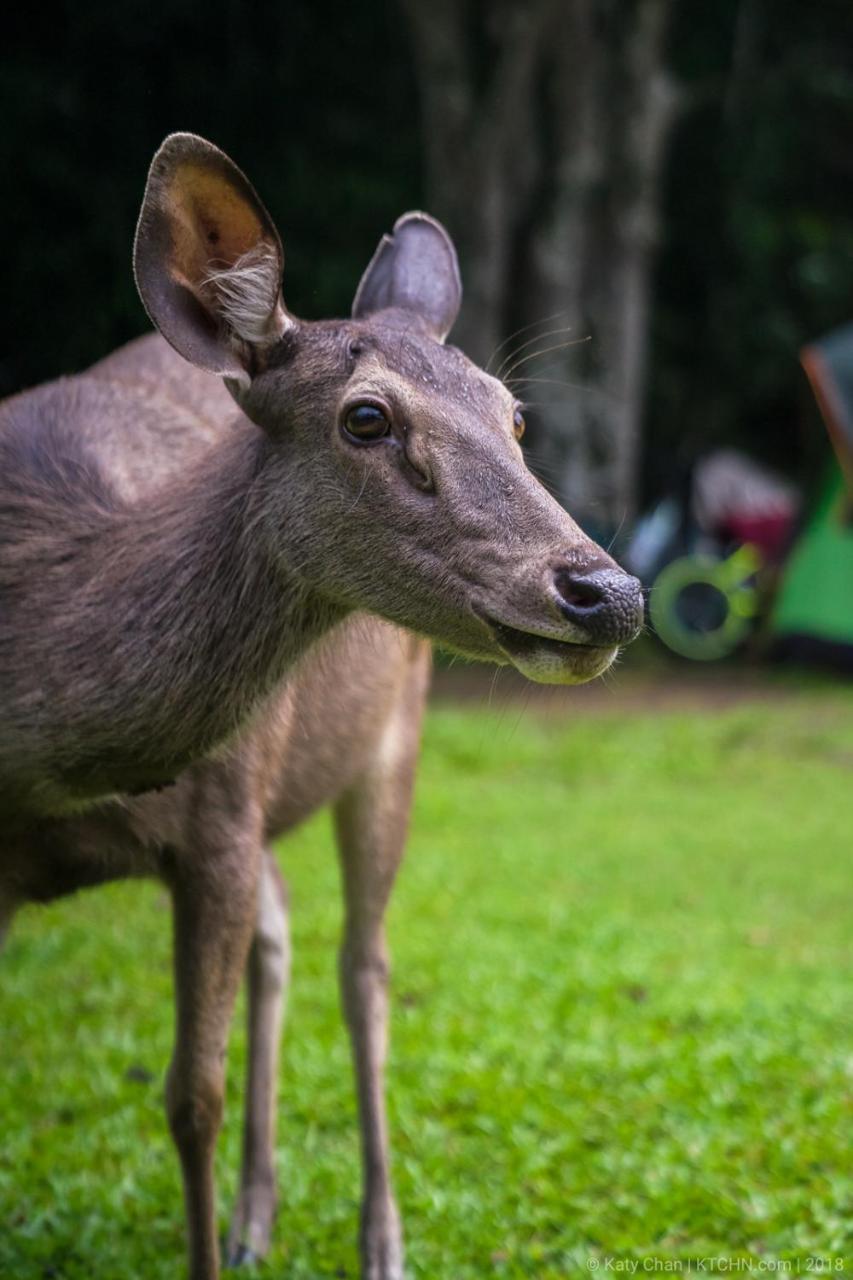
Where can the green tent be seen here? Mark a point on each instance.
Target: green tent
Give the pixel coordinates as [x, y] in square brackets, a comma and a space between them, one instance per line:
[813, 616]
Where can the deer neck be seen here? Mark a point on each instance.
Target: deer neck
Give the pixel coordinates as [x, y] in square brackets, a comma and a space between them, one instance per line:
[196, 618]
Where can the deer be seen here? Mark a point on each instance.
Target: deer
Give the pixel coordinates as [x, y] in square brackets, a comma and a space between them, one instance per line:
[225, 551]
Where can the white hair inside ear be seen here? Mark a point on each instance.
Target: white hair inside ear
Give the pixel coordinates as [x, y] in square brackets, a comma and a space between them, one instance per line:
[247, 296]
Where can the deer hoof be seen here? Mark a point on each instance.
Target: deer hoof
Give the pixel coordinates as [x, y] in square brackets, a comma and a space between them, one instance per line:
[382, 1245]
[251, 1227]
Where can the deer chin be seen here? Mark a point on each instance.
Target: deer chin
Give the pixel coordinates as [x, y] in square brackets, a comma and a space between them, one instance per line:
[547, 660]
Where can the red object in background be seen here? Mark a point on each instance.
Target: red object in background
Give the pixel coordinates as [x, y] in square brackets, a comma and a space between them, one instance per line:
[770, 533]
[737, 499]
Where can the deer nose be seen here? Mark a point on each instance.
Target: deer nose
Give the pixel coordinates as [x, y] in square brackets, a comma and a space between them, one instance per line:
[607, 604]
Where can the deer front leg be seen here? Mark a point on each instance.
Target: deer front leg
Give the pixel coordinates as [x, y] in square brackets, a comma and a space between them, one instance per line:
[371, 825]
[268, 975]
[214, 906]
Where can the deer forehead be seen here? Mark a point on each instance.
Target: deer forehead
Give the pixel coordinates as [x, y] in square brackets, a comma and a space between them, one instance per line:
[435, 389]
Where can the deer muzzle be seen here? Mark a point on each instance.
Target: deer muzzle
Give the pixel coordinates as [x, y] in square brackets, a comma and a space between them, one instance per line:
[606, 605]
[590, 614]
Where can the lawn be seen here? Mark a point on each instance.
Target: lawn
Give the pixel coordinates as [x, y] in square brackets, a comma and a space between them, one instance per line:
[622, 1018]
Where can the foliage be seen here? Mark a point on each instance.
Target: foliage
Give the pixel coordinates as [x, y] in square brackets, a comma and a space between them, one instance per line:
[621, 1017]
[324, 126]
[758, 246]
[756, 251]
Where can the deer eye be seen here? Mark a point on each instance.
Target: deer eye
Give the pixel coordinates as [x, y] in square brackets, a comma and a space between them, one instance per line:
[366, 423]
[518, 424]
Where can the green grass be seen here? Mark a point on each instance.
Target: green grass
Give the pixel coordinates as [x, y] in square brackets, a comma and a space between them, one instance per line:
[622, 1018]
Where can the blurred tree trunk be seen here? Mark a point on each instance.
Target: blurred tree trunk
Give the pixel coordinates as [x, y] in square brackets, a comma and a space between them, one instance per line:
[476, 78]
[545, 124]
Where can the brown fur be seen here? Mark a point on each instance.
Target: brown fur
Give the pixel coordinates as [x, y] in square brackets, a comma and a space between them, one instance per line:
[183, 589]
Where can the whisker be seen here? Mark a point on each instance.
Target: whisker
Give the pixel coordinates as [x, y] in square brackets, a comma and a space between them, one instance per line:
[535, 404]
[541, 467]
[534, 355]
[525, 707]
[596, 392]
[554, 382]
[360, 494]
[518, 332]
[549, 476]
[618, 531]
[538, 337]
[492, 687]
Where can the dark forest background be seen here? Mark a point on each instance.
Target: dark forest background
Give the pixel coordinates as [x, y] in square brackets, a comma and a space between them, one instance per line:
[344, 115]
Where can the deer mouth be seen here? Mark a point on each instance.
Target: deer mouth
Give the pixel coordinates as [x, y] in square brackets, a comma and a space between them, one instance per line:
[548, 659]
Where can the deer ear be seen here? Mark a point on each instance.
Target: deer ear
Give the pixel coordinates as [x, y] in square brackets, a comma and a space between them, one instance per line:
[416, 269]
[208, 259]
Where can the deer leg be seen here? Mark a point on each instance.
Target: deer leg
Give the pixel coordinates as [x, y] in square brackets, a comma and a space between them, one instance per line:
[268, 977]
[371, 828]
[214, 916]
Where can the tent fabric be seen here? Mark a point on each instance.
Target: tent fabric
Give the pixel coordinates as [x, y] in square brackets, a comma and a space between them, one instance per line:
[815, 602]
[813, 617]
[828, 364]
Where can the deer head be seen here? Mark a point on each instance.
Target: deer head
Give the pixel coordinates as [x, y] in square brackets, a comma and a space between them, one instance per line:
[393, 479]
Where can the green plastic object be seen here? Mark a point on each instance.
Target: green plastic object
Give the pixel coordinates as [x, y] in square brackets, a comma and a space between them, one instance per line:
[703, 608]
[816, 594]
